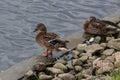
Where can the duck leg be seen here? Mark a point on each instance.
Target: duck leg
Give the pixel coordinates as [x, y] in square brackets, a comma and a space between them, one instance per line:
[45, 54]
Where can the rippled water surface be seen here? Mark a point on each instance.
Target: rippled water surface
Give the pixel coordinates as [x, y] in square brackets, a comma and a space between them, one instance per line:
[18, 19]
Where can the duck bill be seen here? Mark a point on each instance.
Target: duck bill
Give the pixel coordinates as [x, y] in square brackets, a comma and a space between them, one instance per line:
[35, 30]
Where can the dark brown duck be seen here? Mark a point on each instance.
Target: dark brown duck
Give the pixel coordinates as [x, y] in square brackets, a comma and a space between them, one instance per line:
[48, 40]
[99, 27]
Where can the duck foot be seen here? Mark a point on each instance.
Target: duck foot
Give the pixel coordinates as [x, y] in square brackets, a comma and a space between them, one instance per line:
[45, 54]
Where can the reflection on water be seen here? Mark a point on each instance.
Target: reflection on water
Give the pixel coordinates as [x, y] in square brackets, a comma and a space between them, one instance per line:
[18, 18]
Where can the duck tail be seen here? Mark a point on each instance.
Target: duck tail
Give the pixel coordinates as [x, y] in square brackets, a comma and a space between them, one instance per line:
[63, 49]
[66, 41]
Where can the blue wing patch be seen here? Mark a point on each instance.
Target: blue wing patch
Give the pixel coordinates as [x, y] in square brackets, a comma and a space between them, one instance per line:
[53, 42]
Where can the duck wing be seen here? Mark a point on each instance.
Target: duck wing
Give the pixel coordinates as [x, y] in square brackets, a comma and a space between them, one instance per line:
[51, 35]
[110, 23]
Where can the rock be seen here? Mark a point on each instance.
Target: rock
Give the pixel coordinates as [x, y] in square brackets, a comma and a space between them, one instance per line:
[114, 43]
[110, 58]
[109, 38]
[104, 45]
[56, 78]
[60, 66]
[66, 76]
[72, 72]
[119, 24]
[88, 64]
[117, 64]
[92, 58]
[117, 59]
[81, 46]
[82, 54]
[78, 68]
[108, 78]
[79, 76]
[83, 58]
[108, 52]
[77, 62]
[61, 61]
[69, 66]
[75, 53]
[103, 66]
[86, 72]
[97, 39]
[39, 66]
[45, 77]
[117, 56]
[103, 57]
[54, 70]
[29, 73]
[93, 48]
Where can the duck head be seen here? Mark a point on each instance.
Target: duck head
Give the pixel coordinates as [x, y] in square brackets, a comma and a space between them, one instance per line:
[40, 27]
[92, 18]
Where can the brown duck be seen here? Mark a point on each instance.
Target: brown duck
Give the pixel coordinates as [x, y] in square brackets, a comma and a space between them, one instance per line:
[100, 27]
[49, 41]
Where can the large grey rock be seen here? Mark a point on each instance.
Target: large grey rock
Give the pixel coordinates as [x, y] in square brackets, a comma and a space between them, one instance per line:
[79, 76]
[69, 66]
[116, 55]
[45, 77]
[75, 53]
[76, 62]
[83, 58]
[108, 52]
[78, 68]
[39, 66]
[93, 48]
[61, 61]
[109, 38]
[81, 46]
[66, 76]
[104, 45]
[103, 66]
[114, 43]
[60, 66]
[110, 58]
[86, 73]
[54, 70]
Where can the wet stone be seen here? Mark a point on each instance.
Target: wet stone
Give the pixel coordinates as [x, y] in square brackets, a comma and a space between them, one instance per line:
[83, 58]
[93, 48]
[75, 53]
[81, 47]
[69, 66]
[61, 61]
[45, 77]
[103, 66]
[116, 55]
[66, 76]
[108, 52]
[39, 66]
[60, 66]
[78, 68]
[54, 70]
[114, 43]
[76, 62]
[104, 45]
[79, 76]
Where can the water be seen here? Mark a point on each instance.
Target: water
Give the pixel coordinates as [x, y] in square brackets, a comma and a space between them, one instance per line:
[18, 19]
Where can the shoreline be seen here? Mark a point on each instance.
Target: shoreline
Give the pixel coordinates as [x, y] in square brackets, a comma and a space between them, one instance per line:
[18, 70]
